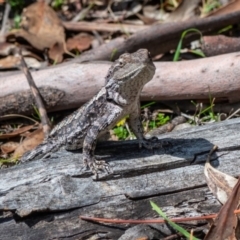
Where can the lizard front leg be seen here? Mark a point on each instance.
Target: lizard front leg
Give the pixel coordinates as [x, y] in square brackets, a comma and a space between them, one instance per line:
[137, 128]
[100, 125]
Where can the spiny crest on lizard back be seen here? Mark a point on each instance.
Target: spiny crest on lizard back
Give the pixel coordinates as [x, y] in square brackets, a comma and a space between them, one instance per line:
[130, 65]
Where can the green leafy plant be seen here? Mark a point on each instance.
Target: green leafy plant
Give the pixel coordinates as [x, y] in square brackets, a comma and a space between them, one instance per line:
[160, 120]
[16, 4]
[174, 225]
[17, 7]
[57, 4]
[17, 19]
[179, 47]
[121, 132]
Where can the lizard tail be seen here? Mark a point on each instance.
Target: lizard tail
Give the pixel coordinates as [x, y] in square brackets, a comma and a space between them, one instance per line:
[40, 151]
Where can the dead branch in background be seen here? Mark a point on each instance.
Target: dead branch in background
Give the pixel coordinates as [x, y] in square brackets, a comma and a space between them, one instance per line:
[70, 85]
[159, 38]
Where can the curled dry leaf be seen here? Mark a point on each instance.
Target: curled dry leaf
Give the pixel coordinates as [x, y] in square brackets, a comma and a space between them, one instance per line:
[225, 224]
[30, 142]
[220, 184]
[9, 147]
[42, 28]
[227, 190]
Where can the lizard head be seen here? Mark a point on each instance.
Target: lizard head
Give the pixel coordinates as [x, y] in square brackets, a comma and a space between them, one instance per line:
[129, 66]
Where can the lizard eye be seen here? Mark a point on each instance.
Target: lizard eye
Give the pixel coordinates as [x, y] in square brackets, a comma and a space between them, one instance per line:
[121, 63]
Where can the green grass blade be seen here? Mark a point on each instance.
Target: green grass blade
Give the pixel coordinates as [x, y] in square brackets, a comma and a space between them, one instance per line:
[147, 105]
[198, 52]
[113, 53]
[226, 29]
[174, 225]
[179, 47]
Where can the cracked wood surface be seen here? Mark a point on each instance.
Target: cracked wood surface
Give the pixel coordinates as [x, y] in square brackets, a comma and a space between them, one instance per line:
[43, 199]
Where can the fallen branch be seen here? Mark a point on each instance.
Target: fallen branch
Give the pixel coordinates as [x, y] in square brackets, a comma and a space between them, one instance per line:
[70, 85]
[103, 27]
[216, 45]
[159, 38]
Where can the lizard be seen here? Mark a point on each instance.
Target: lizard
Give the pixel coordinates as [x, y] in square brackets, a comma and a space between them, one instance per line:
[120, 96]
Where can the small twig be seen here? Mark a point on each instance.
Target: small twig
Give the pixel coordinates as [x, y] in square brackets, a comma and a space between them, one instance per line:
[237, 111]
[9, 116]
[5, 18]
[98, 37]
[173, 236]
[148, 221]
[197, 113]
[37, 95]
[128, 130]
[214, 149]
[103, 27]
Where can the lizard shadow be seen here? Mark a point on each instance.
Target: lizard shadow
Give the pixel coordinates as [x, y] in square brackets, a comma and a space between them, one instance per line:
[184, 152]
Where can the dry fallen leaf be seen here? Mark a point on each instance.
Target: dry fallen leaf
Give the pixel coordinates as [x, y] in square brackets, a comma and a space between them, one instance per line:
[225, 224]
[80, 42]
[9, 62]
[29, 143]
[227, 190]
[9, 147]
[221, 184]
[42, 28]
[6, 48]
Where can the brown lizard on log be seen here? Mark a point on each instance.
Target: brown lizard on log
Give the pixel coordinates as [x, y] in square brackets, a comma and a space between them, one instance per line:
[118, 98]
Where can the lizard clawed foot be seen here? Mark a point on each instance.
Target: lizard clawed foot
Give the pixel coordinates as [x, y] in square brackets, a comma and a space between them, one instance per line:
[150, 143]
[96, 165]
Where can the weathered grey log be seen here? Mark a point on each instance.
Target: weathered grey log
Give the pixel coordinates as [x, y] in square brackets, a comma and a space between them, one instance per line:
[43, 199]
[70, 85]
